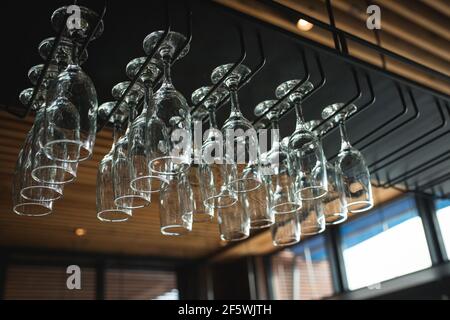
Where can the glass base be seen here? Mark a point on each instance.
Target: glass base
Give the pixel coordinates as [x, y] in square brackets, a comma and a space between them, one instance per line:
[174, 230]
[88, 22]
[114, 215]
[234, 236]
[220, 201]
[174, 41]
[311, 193]
[148, 184]
[335, 218]
[131, 202]
[41, 193]
[286, 208]
[169, 166]
[244, 185]
[32, 209]
[67, 151]
[286, 242]
[312, 230]
[53, 175]
[359, 206]
[260, 224]
[202, 217]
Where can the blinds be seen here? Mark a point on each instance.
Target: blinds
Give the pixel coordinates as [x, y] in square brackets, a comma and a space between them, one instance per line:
[125, 284]
[46, 283]
[302, 272]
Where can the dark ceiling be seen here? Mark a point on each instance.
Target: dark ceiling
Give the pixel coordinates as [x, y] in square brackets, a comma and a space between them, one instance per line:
[215, 41]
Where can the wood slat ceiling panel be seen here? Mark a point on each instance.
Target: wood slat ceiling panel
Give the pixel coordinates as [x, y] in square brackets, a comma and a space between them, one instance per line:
[140, 236]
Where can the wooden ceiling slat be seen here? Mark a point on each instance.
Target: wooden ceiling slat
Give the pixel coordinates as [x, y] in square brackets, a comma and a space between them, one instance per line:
[420, 14]
[400, 27]
[358, 28]
[442, 6]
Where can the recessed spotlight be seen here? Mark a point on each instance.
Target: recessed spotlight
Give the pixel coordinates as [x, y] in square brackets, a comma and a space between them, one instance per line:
[80, 232]
[304, 25]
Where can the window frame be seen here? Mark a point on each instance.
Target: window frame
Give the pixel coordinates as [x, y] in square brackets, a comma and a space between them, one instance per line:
[426, 209]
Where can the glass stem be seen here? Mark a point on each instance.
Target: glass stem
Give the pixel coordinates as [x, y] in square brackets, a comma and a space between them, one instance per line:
[345, 142]
[149, 103]
[235, 110]
[166, 58]
[75, 51]
[299, 113]
[212, 118]
[275, 129]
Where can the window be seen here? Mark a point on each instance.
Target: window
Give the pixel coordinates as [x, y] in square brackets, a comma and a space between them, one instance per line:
[129, 284]
[387, 243]
[443, 215]
[302, 272]
[32, 282]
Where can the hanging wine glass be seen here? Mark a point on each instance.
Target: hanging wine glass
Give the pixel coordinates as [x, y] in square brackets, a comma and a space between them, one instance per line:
[172, 108]
[335, 205]
[305, 149]
[32, 190]
[45, 169]
[351, 164]
[124, 195]
[22, 206]
[146, 125]
[213, 167]
[241, 145]
[176, 205]
[195, 175]
[71, 118]
[107, 210]
[242, 152]
[282, 198]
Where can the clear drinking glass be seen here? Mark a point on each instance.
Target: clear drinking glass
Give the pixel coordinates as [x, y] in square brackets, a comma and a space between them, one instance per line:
[176, 205]
[40, 202]
[241, 141]
[146, 125]
[71, 118]
[306, 153]
[213, 167]
[124, 195]
[22, 206]
[242, 153]
[312, 216]
[286, 230]
[45, 169]
[234, 222]
[172, 109]
[278, 172]
[107, 210]
[335, 205]
[351, 164]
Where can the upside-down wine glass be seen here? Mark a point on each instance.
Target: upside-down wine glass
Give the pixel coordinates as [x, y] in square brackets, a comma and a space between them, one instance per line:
[286, 230]
[124, 195]
[242, 152]
[71, 118]
[305, 149]
[201, 213]
[335, 205]
[350, 162]
[172, 108]
[107, 210]
[213, 166]
[146, 125]
[44, 169]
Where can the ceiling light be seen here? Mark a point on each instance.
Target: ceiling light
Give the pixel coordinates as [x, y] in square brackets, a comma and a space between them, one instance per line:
[80, 232]
[304, 25]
